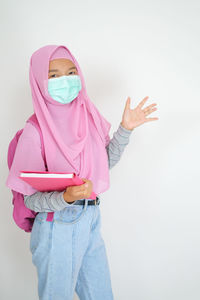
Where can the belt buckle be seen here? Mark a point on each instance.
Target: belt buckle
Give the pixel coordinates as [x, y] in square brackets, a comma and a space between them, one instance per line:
[95, 201]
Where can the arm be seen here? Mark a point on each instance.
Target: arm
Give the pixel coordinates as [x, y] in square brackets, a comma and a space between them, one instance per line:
[46, 201]
[117, 145]
[54, 201]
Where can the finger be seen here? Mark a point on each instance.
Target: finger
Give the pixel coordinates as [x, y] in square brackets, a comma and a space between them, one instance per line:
[143, 102]
[85, 181]
[150, 106]
[150, 119]
[79, 195]
[81, 188]
[149, 111]
[127, 105]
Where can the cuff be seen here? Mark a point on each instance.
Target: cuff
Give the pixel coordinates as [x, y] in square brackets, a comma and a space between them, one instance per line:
[123, 131]
[61, 198]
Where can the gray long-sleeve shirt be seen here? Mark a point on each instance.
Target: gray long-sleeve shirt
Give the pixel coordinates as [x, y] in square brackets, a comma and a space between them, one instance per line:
[54, 201]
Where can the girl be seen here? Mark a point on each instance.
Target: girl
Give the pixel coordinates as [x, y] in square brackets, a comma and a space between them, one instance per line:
[69, 252]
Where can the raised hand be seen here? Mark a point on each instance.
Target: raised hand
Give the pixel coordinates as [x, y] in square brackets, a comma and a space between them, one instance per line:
[133, 118]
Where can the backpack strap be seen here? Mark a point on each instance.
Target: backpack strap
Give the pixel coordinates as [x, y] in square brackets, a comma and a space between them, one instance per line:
[12, 147]
[34, 121]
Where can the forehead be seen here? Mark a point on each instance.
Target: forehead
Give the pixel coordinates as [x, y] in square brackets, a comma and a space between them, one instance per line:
[61, 62]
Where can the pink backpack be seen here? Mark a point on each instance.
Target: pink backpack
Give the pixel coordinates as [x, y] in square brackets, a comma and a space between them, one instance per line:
[23, 216]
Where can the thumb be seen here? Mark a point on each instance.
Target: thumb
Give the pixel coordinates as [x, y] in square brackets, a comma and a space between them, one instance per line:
[127, 105]
[85, 180]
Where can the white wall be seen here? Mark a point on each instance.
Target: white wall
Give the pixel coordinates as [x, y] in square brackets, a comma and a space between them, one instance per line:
[150, 214]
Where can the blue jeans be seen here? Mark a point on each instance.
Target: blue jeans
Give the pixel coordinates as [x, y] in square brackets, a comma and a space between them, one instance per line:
[69, 254]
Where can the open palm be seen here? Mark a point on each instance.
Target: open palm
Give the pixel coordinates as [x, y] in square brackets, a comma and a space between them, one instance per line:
[132, 118]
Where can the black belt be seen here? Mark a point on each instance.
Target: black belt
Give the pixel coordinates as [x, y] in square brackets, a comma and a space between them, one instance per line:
[90, 202]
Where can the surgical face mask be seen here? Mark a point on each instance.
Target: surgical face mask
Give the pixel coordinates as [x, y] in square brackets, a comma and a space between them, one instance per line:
[64, 89]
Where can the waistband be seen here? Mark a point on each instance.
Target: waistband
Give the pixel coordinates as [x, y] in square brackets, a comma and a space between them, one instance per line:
[96, 201]
[90, 201]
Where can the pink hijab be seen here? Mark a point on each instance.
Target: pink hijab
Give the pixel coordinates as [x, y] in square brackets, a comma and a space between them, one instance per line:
[75, 134]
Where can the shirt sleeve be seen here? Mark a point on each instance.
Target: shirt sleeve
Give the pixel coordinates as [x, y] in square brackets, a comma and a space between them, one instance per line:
[117, 145]
[46, 201]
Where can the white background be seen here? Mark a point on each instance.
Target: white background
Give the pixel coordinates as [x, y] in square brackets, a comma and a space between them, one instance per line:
[151, 213]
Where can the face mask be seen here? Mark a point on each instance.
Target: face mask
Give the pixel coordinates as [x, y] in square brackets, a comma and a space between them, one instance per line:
[64, 89]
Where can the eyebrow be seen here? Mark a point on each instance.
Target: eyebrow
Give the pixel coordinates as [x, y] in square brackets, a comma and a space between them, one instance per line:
[56, 70]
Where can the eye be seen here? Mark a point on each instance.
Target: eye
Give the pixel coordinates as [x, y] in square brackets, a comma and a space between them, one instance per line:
[52, 75]
[72, 72]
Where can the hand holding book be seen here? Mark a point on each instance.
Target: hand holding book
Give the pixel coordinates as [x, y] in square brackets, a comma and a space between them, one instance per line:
[74, 187]
[83, 191]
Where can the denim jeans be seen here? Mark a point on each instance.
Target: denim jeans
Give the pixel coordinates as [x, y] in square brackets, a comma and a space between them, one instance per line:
[69, 255]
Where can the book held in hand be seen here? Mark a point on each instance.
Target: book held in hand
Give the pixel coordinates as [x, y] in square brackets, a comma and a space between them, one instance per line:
[52, 181]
